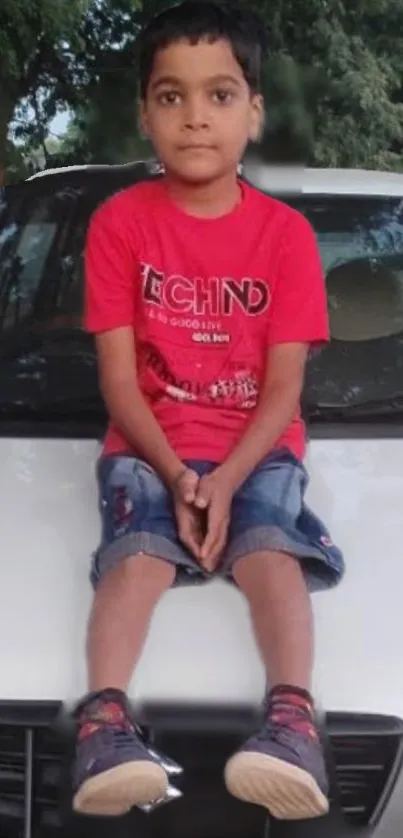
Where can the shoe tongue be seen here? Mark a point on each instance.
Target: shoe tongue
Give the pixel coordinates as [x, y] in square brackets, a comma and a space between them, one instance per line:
[293, 703]
[291, 710]
[107, 707]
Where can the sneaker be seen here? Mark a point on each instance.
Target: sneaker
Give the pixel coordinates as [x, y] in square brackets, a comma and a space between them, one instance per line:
[113, 769]
[282, 767]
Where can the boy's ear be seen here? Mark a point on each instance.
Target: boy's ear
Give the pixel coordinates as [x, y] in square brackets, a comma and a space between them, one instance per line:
[257, 118]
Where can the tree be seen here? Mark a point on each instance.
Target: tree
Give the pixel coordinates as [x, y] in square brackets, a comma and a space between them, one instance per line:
[332, 82]
[37, 41]
[104, 128]
[347, 59]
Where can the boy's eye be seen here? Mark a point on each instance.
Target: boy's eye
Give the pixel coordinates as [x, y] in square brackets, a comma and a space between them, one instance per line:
[169, 97]
[223, 97]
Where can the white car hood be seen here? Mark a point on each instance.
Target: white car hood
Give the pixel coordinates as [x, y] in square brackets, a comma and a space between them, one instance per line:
[200, 647]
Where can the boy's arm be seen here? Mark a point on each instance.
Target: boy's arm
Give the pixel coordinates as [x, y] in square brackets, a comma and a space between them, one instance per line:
[278, 402]
[127, 406]
[110, 293]
[276, 408]
[298, 321]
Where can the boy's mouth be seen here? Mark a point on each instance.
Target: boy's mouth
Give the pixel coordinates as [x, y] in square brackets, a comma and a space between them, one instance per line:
[197, 147]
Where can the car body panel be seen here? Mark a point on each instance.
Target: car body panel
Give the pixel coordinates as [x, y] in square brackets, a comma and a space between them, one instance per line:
[49, 525]
[272, 178]
[200, 669]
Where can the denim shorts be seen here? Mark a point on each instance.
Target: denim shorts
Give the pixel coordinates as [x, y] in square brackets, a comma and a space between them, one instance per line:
[268, 514]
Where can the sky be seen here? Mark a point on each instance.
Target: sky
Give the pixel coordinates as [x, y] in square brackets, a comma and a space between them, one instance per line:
[59, 124]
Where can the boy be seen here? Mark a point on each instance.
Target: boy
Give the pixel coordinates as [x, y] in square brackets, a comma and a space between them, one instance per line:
[204, 297]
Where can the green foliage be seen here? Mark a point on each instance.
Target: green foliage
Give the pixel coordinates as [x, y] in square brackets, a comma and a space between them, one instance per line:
[332, 83]
[36, 37]
[347, 60]
[37, 41]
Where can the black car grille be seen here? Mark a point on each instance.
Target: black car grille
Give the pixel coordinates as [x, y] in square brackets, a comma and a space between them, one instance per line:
[366, 753]
[31, 773]
[367, 757]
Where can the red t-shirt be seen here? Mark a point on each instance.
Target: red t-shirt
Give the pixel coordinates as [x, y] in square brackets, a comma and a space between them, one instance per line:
[206, 299]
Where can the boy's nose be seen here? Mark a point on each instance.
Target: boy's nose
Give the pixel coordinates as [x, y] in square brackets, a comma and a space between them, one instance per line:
[196, 116]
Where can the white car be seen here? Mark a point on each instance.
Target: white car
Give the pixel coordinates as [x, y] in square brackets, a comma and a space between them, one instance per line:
[200, 680]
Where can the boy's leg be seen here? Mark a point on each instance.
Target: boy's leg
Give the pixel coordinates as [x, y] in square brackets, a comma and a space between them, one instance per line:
[114, 770]
[282, 767]
[123, 605]
[281, 615]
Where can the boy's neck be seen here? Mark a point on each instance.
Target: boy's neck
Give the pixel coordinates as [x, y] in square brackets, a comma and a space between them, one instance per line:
[205, 200]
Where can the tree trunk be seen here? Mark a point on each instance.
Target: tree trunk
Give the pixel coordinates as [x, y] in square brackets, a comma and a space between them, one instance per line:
[7, 107]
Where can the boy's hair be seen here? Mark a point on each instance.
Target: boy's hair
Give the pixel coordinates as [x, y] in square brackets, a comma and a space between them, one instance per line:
[210, 20]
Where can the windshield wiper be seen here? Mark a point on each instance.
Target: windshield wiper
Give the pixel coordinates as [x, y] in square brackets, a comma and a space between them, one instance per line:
[92, 407]
[62, 408]
[364, 409]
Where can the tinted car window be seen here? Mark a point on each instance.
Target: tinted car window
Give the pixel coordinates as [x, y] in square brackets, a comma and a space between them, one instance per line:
[47, 362]
[361, 244]
[48, 373]
[38, 257]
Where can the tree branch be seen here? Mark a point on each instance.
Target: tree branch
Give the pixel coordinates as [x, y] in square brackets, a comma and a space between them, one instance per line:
[41, 130]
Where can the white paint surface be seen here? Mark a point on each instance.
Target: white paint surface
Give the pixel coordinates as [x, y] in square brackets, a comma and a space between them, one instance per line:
[200, 647]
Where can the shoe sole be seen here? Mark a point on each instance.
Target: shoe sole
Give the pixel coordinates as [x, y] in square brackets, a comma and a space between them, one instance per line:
[286, 791]
[116, 791]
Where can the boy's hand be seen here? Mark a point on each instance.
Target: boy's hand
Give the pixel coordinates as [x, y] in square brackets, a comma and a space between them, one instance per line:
[214, 495]
[188, 517]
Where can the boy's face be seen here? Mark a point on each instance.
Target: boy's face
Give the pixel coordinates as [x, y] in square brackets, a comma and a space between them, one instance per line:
[199, 112]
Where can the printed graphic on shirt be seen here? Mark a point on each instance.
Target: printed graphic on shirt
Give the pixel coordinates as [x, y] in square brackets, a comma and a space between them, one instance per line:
[228, 383]
[214, 312]
[188, 302]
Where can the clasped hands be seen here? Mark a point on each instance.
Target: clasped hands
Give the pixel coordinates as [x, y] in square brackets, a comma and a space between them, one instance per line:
[202, 510]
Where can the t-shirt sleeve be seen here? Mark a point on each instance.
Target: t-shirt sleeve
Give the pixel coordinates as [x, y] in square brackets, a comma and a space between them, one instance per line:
[298, 312]
[110, 267]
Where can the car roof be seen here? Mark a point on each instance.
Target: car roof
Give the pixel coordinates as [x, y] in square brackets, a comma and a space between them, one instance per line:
[352, 181]
[324, 181]
[92, 169]
[285, 180]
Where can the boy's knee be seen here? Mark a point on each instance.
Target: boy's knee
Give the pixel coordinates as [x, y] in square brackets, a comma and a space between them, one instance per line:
[150, 572]
[255, 567]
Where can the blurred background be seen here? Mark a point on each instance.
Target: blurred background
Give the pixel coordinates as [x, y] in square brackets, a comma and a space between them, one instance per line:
[333, 83]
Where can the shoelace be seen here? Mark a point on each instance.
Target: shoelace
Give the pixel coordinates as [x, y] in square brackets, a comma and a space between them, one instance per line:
[281, 735]
[123, 737]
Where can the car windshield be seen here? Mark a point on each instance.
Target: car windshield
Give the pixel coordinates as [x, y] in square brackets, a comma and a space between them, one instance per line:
[361, 244]
[47, 361]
